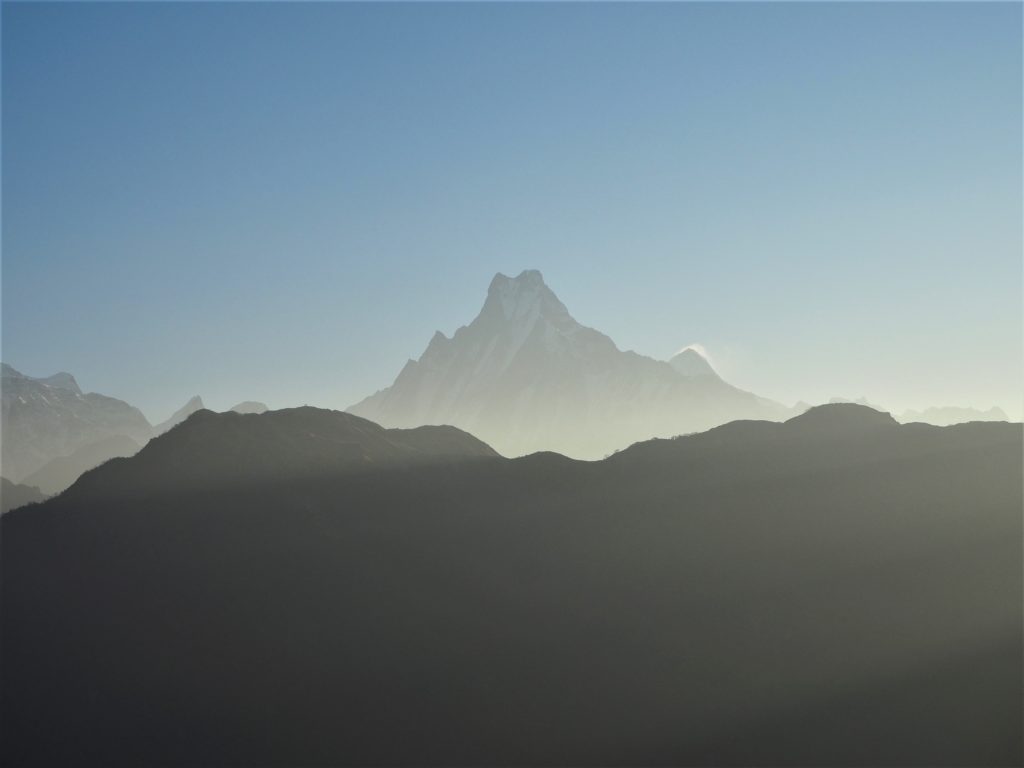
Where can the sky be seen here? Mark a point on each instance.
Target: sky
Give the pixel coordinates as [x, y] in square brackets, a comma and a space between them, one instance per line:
[283, 202]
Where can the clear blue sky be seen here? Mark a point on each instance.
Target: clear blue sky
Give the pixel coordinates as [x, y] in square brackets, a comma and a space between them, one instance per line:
[284, 202]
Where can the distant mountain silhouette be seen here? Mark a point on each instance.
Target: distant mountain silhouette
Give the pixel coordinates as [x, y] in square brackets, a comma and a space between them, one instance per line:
[194, 404]
[14, 495]
[944, 416]
[45, 418]
[52, 432]
[524, 376]
[305, 587]
[250, 406]
[940, 417]
[61, 472]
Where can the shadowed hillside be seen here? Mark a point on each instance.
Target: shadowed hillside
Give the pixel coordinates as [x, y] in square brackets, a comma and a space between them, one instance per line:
[306, 588]
[222, 451]
[14, 495]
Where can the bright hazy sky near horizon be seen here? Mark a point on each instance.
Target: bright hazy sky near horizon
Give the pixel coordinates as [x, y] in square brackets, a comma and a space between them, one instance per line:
[283, 202]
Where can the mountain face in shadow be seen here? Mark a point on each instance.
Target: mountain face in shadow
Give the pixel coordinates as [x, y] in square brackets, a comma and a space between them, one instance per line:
[308, 588]
[45, 418]
[14, 495]
[524, 376]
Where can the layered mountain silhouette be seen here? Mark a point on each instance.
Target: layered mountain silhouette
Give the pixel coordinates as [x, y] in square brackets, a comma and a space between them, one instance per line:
[524, 376]
[946, 415]
[305, 587]
[59, 473]
[52, 432]
[194, 404]
[44, 418]
[943, 416]
[226, 450]
[14, 495]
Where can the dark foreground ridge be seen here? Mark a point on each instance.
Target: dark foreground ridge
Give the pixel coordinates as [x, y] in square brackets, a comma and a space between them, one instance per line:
[306, 588]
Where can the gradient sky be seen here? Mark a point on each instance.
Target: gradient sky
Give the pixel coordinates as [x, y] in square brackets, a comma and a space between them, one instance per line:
[284, 202]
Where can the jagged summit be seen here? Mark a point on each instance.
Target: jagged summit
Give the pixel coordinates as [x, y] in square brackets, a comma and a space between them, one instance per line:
[525, 376]
[521, 301]
[523, 298]
[62, 380]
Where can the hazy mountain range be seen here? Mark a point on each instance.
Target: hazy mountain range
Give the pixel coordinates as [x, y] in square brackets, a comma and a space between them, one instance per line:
[194, 404]
[311, 587]
[46, 418]
[305, 587]
[946, 415]
[523, 376]
[52, 432]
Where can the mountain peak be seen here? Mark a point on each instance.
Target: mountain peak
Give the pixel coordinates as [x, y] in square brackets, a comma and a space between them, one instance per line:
[194, 404]
[690, 362]
[528, 278]
[522, 299]
[62, 380]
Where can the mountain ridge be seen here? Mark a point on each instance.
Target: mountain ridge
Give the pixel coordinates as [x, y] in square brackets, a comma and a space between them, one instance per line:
[691, 601]
[208, 449]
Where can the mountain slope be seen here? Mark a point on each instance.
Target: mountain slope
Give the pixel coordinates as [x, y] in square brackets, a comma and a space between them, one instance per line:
[524, 376]
[194, 404]
[832, 590]
[14, 495]
[43, 419]
[61, 473]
